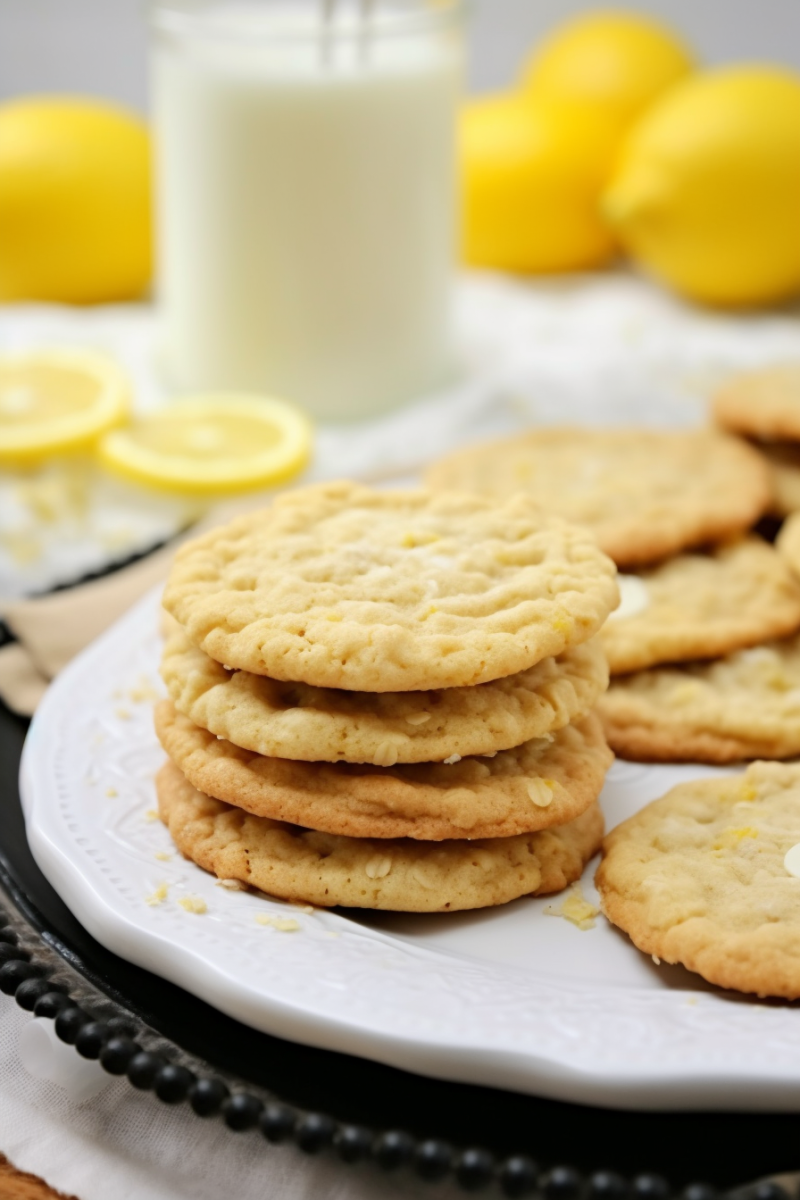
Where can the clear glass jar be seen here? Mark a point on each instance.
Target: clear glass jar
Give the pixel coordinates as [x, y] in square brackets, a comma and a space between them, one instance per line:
[306, 196]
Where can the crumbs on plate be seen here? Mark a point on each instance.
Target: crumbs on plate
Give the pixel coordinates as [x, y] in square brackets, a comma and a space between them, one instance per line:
[575, 908]
[284, 924]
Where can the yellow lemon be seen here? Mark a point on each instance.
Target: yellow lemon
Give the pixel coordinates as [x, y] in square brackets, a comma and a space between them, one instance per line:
[531, 177]
[706, 195]
[55, 401]
[212, 444]
[617, 60]
[75, 220]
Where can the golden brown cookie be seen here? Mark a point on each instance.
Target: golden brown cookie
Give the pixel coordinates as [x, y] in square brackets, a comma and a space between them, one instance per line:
[294, 720]
[344, 587]
[699, 606]
[398, 874]
[783, 459]
[644, 493]
[763, 403]
[746, 705]
[544, 782]
[698, 878]
[788, 544]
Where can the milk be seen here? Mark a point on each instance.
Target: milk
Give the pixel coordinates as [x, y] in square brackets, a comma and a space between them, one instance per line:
[306, 203]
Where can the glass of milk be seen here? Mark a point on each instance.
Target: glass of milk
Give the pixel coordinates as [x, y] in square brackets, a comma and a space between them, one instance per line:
[306, 197]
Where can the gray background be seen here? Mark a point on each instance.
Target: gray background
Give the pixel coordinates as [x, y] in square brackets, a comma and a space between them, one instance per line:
[98, 47]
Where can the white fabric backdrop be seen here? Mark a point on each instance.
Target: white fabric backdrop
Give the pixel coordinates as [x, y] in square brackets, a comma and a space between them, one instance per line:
[127, 1145]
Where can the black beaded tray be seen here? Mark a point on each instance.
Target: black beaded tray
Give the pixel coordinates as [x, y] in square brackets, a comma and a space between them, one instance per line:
[157, 1035]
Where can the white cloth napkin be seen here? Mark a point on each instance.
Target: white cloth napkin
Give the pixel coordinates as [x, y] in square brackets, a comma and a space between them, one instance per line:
[127, 1145]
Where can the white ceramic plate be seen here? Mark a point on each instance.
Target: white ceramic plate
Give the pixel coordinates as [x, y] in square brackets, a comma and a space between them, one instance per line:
[511, 997]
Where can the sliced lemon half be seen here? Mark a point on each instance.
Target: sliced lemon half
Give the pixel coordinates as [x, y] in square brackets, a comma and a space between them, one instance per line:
[212, 444]
[55, 401]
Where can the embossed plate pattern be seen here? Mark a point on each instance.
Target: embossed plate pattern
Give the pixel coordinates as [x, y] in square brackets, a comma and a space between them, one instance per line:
[514, 997]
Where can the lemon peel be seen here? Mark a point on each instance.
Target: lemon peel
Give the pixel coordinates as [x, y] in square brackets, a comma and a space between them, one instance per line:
[531, 177]
[619, 61]
[706, 191]
[75, 205]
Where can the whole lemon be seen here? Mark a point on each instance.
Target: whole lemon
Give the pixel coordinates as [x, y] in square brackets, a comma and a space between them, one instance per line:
[531, 179]
[615, 59]
[75, 221]
[706, 194]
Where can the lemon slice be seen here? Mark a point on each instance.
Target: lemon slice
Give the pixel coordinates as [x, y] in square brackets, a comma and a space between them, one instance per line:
[54, 401]
[212, 444]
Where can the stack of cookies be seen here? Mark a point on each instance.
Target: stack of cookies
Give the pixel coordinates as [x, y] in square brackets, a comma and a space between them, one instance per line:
[764, 405]
[383, 699]
[703, 649]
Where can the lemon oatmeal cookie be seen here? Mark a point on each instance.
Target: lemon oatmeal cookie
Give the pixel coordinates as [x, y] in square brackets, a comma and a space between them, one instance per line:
[700, 606]
[698, 878]
[546, 781]
[764, 403]
[295, 720]
[400, 875]
[344, 587]
[746, 705]
[788, 544]
[644, 493]
[783, 460]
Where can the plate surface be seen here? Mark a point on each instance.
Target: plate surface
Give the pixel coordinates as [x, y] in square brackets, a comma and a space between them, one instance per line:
[513, 997]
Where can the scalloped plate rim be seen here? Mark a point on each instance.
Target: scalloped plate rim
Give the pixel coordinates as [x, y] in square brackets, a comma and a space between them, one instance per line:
[85, 889]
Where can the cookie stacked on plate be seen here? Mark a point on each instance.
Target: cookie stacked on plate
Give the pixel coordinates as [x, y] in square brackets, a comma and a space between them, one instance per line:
[703, 649]
[383, 699]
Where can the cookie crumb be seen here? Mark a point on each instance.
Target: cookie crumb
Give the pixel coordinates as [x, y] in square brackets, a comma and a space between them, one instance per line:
[576, 909]
[122, 713]
[151, 815]
[330, 933]
[231, 885]
[193, 904]
[111, 792]
[284, 924]
[162, 856]
[158, 896]
[143, 691]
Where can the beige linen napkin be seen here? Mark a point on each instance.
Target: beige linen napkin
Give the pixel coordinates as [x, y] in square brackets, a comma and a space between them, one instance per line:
[52, 629]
